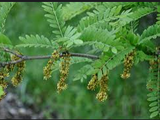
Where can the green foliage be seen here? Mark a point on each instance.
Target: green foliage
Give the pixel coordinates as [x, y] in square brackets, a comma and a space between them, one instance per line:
[4, 10]
[113, 4]
[117, 59]
[141, 56]
[154, 86]
[132, 38]
[158, 15]
[54, 15]
[99, 16]
[129, 16]
[71, 37]
[107, 30]
[73, 9]
[37, 41]
[4, 39]
[141, 12]
[83, 73]
[152, 32]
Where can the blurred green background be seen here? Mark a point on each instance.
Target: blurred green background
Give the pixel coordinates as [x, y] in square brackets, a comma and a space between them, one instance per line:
[127, 98]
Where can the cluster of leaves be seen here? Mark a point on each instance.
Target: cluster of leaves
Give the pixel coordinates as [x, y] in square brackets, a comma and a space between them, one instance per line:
[110, 29]
[153, 85]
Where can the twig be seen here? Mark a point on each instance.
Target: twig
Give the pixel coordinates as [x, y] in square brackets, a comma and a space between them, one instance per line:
[14, 53]
[25, 58]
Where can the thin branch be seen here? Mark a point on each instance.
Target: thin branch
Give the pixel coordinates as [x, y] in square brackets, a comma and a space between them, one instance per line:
[9, 51]
[84, 55]
[25, 58]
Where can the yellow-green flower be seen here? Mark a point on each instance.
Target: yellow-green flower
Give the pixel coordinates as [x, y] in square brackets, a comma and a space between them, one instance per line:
[48, 69]
[93, 83]
[103, 83]
[128, 63]
[102, 96]
[17, 78]
[64, 70]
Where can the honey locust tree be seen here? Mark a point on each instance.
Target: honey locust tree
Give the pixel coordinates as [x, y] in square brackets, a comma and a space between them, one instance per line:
[109, 28]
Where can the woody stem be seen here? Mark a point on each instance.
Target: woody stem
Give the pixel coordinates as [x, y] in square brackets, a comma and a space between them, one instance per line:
[25, 58]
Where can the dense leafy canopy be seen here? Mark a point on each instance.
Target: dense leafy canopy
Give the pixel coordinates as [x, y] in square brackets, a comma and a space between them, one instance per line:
[110, 29]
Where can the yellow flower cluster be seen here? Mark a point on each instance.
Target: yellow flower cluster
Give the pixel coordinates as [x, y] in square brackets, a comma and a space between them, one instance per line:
[93, 82]
[102, 83]
[9, 68]
[150, 85]
[153, 64]
[47, 71]
[64, 70]
[128, 63]
[17, 78]
[3, 83]
[102, 94]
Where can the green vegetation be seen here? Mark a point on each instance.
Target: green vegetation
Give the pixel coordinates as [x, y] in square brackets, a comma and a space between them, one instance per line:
[119, 41]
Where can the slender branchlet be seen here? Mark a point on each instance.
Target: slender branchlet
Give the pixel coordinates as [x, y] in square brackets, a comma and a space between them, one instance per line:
[27, 58]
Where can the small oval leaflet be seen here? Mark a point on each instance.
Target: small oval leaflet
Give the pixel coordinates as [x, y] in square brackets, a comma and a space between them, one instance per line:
[99, 74]
[78, 42]
[114, 50]
[154, 114]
